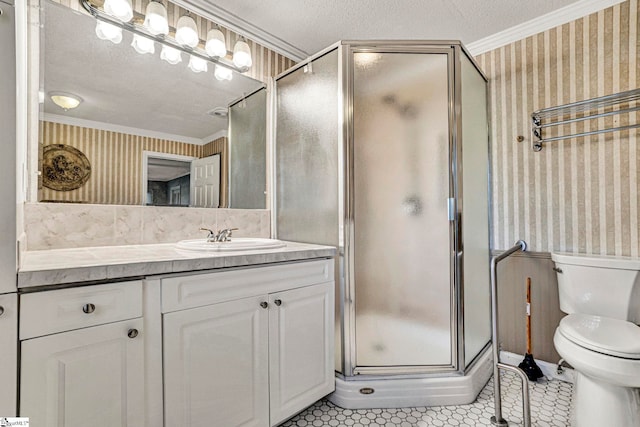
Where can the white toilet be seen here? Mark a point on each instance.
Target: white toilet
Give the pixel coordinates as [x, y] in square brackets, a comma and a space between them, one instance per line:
[600, 337]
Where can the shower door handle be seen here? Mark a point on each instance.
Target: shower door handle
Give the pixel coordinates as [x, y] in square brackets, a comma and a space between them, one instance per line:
[451, 208]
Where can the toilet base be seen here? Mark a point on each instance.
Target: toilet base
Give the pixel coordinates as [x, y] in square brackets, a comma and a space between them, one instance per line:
[597, 404]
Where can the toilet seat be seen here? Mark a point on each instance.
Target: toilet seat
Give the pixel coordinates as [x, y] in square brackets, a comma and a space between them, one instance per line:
[604, 335]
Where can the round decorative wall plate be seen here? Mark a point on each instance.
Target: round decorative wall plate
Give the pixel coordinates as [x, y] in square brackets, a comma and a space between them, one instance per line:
[64, 167]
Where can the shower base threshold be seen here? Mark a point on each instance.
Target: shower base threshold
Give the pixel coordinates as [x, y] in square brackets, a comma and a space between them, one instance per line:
[403, 392]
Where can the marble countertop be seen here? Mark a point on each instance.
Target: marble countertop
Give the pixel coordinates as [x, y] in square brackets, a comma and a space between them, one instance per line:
[60, 266]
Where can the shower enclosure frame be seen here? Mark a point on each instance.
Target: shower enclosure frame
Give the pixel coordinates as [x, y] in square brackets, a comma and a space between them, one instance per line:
[346, 277]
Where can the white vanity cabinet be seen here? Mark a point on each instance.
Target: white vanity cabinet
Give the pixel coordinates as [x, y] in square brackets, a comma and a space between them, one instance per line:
[83, 357]
[247, 347]
[301, 348]
[8, 354]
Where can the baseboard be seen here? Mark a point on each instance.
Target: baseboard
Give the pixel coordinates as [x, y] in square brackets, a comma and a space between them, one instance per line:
[548, 369]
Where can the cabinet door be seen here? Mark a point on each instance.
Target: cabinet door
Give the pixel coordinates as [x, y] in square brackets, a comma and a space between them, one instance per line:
[89, 377]
[8, 354]
[216, 365]
[301, 346]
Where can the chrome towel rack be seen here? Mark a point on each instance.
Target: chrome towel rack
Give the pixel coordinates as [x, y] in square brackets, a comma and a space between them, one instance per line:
[617, 103]
[497, 419]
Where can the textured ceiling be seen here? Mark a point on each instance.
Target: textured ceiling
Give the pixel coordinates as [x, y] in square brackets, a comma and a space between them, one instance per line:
[121, 87]
[311, 25]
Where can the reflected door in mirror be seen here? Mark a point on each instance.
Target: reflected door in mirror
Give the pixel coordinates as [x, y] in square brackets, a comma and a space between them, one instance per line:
[205, 182]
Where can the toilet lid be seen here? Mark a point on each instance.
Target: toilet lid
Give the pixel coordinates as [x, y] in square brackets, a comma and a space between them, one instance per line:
[602, 334]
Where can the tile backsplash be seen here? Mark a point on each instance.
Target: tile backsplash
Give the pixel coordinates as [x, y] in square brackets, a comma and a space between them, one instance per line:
[66, 225]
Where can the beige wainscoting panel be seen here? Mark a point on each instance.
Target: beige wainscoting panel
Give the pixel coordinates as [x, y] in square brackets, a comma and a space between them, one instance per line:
[581, 194]
[545, 307]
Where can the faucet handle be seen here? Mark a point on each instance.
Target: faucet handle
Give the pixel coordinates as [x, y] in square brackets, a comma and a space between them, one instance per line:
[211, 232]
[225, 234]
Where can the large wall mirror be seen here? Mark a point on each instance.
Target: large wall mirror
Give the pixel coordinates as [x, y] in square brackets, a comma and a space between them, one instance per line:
[145, 131]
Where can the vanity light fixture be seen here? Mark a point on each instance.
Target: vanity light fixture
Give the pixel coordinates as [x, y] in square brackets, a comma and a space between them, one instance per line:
[156, 19]
[222, 73]
[187, 31]
[242, 54]
[197, 65]
[120, 9]
[106, 31]
[171, 55]
[142, 44]
[216, 45]
[64, 100]
[156, 30]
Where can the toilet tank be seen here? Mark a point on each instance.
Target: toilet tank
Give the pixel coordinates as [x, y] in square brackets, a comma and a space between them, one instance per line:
[599, 285]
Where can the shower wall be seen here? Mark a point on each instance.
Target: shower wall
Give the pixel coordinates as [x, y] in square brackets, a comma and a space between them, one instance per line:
[307, 192]
[371, 140]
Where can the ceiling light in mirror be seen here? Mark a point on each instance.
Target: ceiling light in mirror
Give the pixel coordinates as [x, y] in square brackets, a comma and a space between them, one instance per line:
[120, 9]
[242, 54]
[142, 44]
[223, 73]
[171, 55]
[216, 45]
[219, 112]
[156, 19]
[106, 31]
[187, 32]
[64, 100]
[197, 65]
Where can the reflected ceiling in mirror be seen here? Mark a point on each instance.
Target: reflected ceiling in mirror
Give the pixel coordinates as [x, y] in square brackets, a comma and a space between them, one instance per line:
[121, 87]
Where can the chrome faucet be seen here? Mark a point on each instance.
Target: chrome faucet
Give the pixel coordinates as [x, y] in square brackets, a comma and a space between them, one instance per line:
[223, 235]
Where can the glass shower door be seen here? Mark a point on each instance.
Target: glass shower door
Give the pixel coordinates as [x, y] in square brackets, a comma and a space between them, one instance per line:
[401, 229]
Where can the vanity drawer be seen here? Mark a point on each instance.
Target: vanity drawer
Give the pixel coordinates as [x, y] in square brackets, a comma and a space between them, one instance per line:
[179, 293]
[49, 312]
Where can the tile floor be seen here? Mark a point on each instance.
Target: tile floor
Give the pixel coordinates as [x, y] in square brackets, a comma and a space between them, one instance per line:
[550, 406]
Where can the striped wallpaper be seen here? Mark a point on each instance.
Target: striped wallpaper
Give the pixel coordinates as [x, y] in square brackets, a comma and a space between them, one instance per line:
[266, 63]
[581, 194]
[116, 162]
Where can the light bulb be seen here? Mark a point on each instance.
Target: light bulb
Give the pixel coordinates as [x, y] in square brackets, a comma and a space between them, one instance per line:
[120, 9]
[242, 55]
[197, 65]
[142, 44]
[215, 45]
[187, 32]
[156, 19]
[106, 31]
[223, 73]
[171, 55]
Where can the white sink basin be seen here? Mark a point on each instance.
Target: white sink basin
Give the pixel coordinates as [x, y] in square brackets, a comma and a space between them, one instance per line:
[235, 244]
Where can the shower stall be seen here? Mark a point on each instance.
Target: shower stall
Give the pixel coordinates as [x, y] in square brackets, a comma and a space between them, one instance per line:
[381, 149]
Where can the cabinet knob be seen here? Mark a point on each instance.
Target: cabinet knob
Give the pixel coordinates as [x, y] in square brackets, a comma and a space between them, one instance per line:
[278, 302]
[132, 333]
[1, 310]
[88, 308]
[264, 304]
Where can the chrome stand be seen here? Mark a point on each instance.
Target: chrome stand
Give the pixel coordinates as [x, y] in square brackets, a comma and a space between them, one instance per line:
[497, 419]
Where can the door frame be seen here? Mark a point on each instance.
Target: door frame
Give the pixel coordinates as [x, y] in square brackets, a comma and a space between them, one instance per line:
[146, 155]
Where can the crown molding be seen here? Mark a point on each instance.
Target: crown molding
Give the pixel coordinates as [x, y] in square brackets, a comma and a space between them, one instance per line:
[208, 10]
[214, 136]
[73, 121]
[542, 23]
